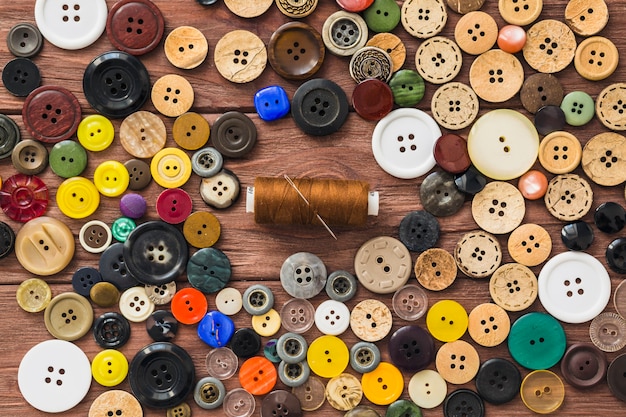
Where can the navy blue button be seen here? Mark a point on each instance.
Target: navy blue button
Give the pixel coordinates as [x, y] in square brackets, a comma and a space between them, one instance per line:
[7, 239]
[419, 231]
[471, 181]
[610, 217]
[245, 343]
[439, 194]
[111, 330]
[113, 269]
[577, 235]
[498, 381]
[85, 278]
[549, 119]
[463, 403]
[208, 270]
[616, 255]
[411, 348]
[216, 329]
[271, 103]
[162, 326]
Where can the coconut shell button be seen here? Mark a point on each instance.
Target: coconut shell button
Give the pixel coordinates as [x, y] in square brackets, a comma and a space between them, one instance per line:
[229, 301]
[533, 185]
[238, 403]
[139, 173]
[242, 8]
[104, 294]
[560, 152]
[216, 330]
[311, 394]
[371, 320]
[44, 246]
[344, 392]
[208, 270]
[23, 197]
[172, 95]
[529, 244]
[296, 51]
[586, 18]
[423, 19]
[611, 105]
[21, 76]
[435, 269]
[24, 40]
[135, 26]
[135, 305]
[478, 254]
[419, 231]
[170, 168]
[84, 279]
[438, 60]
[499, 208]
[450, 152]
[95, 132]
[411, 348]
[407, 87]
[520, 13]
[439, 195]
[610, 217]
[372, 99]
[257, 375]
[476, 32]
[382, 15]
[542, 392]
[615, 377]
[383, 385]
[608, 332]
[370, 62]
[457, 362]
[111, 330]
[68, 316]
[220, 191]
[619, 299]
[498, 381]
[234, 134]
[186, 47]
[596, 58]
[536, 341]
[174, 205]
[464, 401]
[142, 134]
[540, 90]
[51, 114]
[427, 389]
[240, 56]
[496, 76]
[54, 376]
[550, 46]
[569, 197]
[33, 295]
[454, 106]
[489, 324]
[109, 368]
[207, 162]
[116, 402]
[382, 265]
[341, 286]
[604, 158]
[447, 320]
[319, 107]
[578, 107]
[577, 235]
[391, 44]
[583, 365]
[190, 131]
[513, 287]
[280, 401]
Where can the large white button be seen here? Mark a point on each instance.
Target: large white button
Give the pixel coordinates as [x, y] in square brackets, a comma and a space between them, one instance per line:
[135, 304]
[574, 287]
[332, 317]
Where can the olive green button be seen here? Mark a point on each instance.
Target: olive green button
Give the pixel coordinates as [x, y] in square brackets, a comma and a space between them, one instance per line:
[104, 294]
[68, 159]
[382, 16]
[33, 295]
[69, 316]
[402, 408]
[578, 107]
[122, 227]
[407, 87]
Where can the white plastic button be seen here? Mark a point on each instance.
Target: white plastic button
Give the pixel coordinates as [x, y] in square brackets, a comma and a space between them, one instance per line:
[332, 317]
[229, 301]
[135, 304]
[427, 389]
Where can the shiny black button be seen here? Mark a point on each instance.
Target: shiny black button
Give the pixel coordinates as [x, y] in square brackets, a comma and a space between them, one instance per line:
[498, 381]
[577, 235]
[419, 231]
[85, 278]
[549, 119]
[7, 239]
[245, 343]
[21, 76]
[411, 348]
[610, 217]
[111, 330]
[463, 403]
[9, 136]
[113, 268]
[471, 181]
[319, 107]
[616, 255]
[24, 40]
[162, 326]
[206, 2]
[439, 194]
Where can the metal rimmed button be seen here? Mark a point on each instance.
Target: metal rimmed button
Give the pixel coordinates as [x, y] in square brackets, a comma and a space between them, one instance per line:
[109, 368]
[142, 134]
[341, 285]
[489, 324]
[111, 330]
[33, 295]
[498, 381]
[24, 40]
[221, 190]
[435, 269]
[344, 33]
[438, 59]
[427, 389]
[21, 76]
[583, 365]
[332, 317]
[586, 18]
[303, 275]
[311, 394]
[229, 301]
[447, 320]
[372, 99]
[234, 134]
[464, 401]
[604, 158]
[410, 302]
[540, 90]
[95, 236]
[201, 229]
[611, 105]
[499, 208]
[423, 19]
[135, 305]
[238, 403]
[170, 167]
[382, 265]
[608, 332]
[174, 205]
[191, 131]
[23, 197]
[297, 315]
[478, 254]
[180, 410]
[161, 326]
[186, 47]
[454, 106]
[240, 56]
[520, 13]
[135, 26]
[596, 58]
[542, 391]
[550, 46]
[536, 341]
[364, 357]
[560, 152]
[411, 348]
[115, 402]
[68, 316]
[371, 320]
[291, 347]
[51, 114]
[44, 246]
[568, 197]
[496, 76]
[439, 194]
[296, 51]
[383, 385]
[319, 107]
[344, 392]
[208, 270]
[172, 95]
[476, 32]
[530, 244]
[391, 44]
[370, 62]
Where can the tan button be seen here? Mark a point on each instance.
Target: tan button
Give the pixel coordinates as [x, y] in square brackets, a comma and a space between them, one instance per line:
[478, 254]
[476, 32]
[530, 244]
[172, 95]
[520, 12]
[382, 264]
[498, 208]
[435, 269]
[142, 134]
[391, 44]
[296, 8]
[370, 62]
[247, 8]
[569, 197]
[191, 131]
[312, 394]
[69, 316]
[550, 46]
[240, 56]
[560, 152]
[423, 18]
[116, 403]
[104, 294]
[186, 47]
[611, 106]
[586, 17]
[201, 229]
[438, 60]
[29, 157]
[604, 159]
[33, 295]
[344, 33]
[344, 392]
[489, 324]
[496, 76]
[181, 410]
[465, 6]
[596, 58]
[454, 106]
[619, 298]
[44, 246]
[161, 294]
[371, 320]
[296, 51]
[513, 287]
[542, 391]
[457, 362]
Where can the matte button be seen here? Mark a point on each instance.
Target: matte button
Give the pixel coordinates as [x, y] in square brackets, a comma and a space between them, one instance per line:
[207, 162]
[450, 152]
[109, 368]
[23, 197]
[258, 299]
[189, 306]
[560, 152]
[21, 76]
[382, 265]
[496, 76]
[583, 365]
[44, 246]
[411, 348]
[419, 231]
[170, 168]
[245, 343]
[550, 46]
[371, 320]
[240, 56]
[174, 205]
[454, 106]
[133, 205]
[229, 301]
[216, 329]
[383, 385]
[610, 217]
[113, 268]
[319, 107]
[372, 99]
[9, 136]
[344, 392]
[296, 51]
[499, 208]
[114, 402]
[311, 394]
[104, 294]
[110, 177]
[344, 33]
[208, 270]
[186, 47]
[280, 401]
[536, 341]
[257, 375]
[51, 114]
[370, 62]
[161, 294]
[488, 324]
[33, 295]
[439, 59]
[423, 19]
[84, 279]
[303, 275]
[221, 190]
[328, 356]
[410, 302]
[364, 357]
[77, 197]
[221, 363]
[111, 330]
[244, 9]
[577, 235]
[191, 131]
[529, 244]
[549, 119]
[464, 402]
[239, 403]
[332, 317]
[511, 38]
[139, 173]
[69, 316]
[435, 269]
[382, 15]
[135, 305]
[596, 58]
[478, 254]
[604, 158]
[135, 26]
[498, 381]
[427, 389]
[569, 197]
[439, 195]
[542, 392]
[615, 377]
[476, 32]
[512, 13]
[172, 95]
[586, 18]
[391, 44]
[95, 132]
[533, 184]
[541, 90]
[447, 320]
[271, 103]
[24, 40]
[234, 134]
[142, 134]
[341, 285]
[7, 239]
[578, 107]
[297, 315]
[295, 9]
[608, 332]
[201, 229]
[610, 106]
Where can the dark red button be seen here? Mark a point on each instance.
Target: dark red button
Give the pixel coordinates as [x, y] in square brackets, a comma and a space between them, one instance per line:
[135, 26]
[296, 51]
[51, 114]
[355, 6]
[411, 348]
[174, 205]
[451, 153]
[23, 197]
[372, 99]
[583, 365]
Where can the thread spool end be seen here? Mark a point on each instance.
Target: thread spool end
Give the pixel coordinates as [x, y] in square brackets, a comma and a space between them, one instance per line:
[250, 200]
[372, 203]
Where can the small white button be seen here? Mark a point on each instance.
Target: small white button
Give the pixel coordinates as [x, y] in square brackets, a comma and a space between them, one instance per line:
[427, 389]
[332, 317]
[229, 301]
[135, 304]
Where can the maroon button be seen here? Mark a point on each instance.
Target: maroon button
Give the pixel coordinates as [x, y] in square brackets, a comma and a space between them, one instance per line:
[583, 365]
[51, 114]
[372, 99]
[135, 26]
[354, 6]
[23, 197]
[451, 153]
[173, 205]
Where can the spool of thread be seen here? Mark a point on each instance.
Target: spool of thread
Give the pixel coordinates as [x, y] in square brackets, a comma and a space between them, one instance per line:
[337, 202]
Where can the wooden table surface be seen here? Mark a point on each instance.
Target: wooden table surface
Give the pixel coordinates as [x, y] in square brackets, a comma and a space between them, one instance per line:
[257, 252]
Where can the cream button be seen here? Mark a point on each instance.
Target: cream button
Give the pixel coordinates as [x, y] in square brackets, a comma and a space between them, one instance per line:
[44, 246]
[135, 305]
[611, 106]
[498, 208]
[454, 106]
[267, 324]
[478, 254]
[229, 301]
[427, 389]
[383, 264]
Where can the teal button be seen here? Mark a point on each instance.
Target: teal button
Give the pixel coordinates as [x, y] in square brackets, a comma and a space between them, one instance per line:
[122, 227]
[578, 107]
[270, 351]
[407, 87]
[382, 16]
[537, 341]
[208, 270]
[68, 159]
[403, 408]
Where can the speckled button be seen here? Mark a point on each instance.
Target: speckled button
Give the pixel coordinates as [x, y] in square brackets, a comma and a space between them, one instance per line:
[520, 12]
[454, 106]
[344, 33]
[172, 95]
[540, 90]
[29, 157]
[583, 365]
[542, 391]
[435, 269]
[569, 197]
[529, 244]
[201, 229]
[489, 324]
[496, 76]
[423, 19]
[608, 332]
[295, 8]
[438, 60]
[240, 56]
[186, 47]
[44, 246]
[439, 194]
[69, 316]
[51, 114]
[24, 40]
[604, 159]
[370, 62]
[115, 402]
[513, 287]
[419, 230]
[142, 134]
[611, 106]
[586, 17]
[550, 46]
[498, 208]
[382, 264]
[243, 8]
[391, 44]
[33, 295]
[221, 190]
[135, 26]
[344, 392]
[596, 58]
[560, 152]
[478, 254]
[191, 131]
[371, 320]
[476, 32]
[427, 389]
[296, 51]
[457, 362]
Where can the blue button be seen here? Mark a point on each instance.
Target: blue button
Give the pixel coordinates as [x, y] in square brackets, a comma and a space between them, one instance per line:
[271, 103]
[216, 329]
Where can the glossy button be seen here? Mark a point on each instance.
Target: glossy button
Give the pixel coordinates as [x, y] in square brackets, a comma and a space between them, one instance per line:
[577, 235]
[51, 114]
[450, 152]
[560, 152]
[439, 59]
[419, 230]
[423, 19]
[496, 76]
[135, 305]
[122, 227]
[135, 26]
[9, 136]
[541, 90]
[21, 76]
[427, 389]
[186, 47]
[407, 87]
[464, 401]
[536, 341]
[583, 365]
[383, 385]
[207, 162]
[258, 299]
[33, 295]
[550, 46]
[499, 208]
[257, 375]
[303, 275]
[113, 269]
[533, 184]
[319, 107]
[191, 131]
[411, 348]
[267, 324]
[216, 329]
[488, 324]
[332, 317]
[529, 244]
[607, 332]
[111, 330]
[568, 197]
[24, 40]
[238, 403]
[139, 173]
[116, 402]
[174, 205]
[382, 265]
[109, 367]
[435, 269]
[44, 246]
[439, 194]
[161, 326]
[189, 306]
[221, 363]
[328, 356]
[111, 178]
[23, 197]
[77, 197]
[7, 239]
[271, 103]
[297, 315]
[95, 132]
[610, 217]
[240, 56]
[221, 190]
[370, 62]
[498, 381]
[296, 51]
[372, 99]
[542, 392]
[229, 301]
[142, 134]
[604, 158]
[410, 302]
[68, 316]
[549, 119]
[344, 33]
[578, 107]
[170, 168]
[447, 320]
[234, 134]
[596, 58]
[344, 392]
[511, 38]
[478, 254]
[454, 105]
[172, 95]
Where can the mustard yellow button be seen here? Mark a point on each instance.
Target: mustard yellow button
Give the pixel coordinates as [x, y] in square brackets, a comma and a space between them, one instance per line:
[542, 391]
[109, 367]
[44, 246]
[33, 295]
[447, 320]
[383, 385]
[328, 356]
[170, 168]
[267, 324]
[111, 178]
[95, 132]
[77, 197]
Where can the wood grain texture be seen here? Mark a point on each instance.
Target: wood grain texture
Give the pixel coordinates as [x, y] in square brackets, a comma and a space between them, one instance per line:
[257, 252]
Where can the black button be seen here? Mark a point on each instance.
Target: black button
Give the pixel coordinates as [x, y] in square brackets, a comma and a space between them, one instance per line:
[233, 134]
[7, 239]
[583, 365]
[440, 195]
[116, 84]
[113, 268]
[498, 381]
[419, 231]
[24, 40]
[161, 375]
[162, 326]
[616, 377]
[471, 181]
[549, 119]
[111, 330]
[245, 343]
[616, 255]
[411, 348]
[319, 107]
[85, 278]
[206, 2]
[139, 172]
[610, 217]
[21, 76]
[577, 235]
[281, 403]
[463, 403]
[9, 136]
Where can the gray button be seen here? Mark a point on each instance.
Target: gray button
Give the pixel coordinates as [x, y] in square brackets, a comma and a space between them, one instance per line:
[439, 194]
[364, 357]
[303, 275]
[258, 299]
[341, 286]
[24, 40]
[291, 348]
[207, 162]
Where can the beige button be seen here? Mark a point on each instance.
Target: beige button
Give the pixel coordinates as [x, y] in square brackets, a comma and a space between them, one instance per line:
[104, 294]
[240, 56]
[604, 159]
[560, 152]
[586, 17]
[498, 208]
[247, 8]
[454, 106]
[569, 197]
[186, 47]
[438, 60]
[116, 403]
[135, 305]
[619, 298]
[489, 324]
[142, 134]
[161, 294]
[457, 362]
[550, 46]
[513, 287]
[181, 410]
[44, 246]
[172, 95]
[476, 32]
[344, 392]
[423, 18]
[520, 12]
[33, 295]
[296, 8]
[29, 157]
[496, 76]
[465, 6]
[611, 106]
[427, 389]
[267, 324]
[370, 62]
[69, 316]
[478, 254]
[371, 320]
[382, 264]
[542, 391]
[312, 394]
[191, 131]
[530, 244]
[391, 44]
[596, 58]
[435, 269]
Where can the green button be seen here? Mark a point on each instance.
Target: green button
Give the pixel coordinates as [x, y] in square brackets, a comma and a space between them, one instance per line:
[578, 107]
[208, 270]
[382, 15]
[403, 408]
[68, 159]
[122, 227]
[407, 87]
[537, 341]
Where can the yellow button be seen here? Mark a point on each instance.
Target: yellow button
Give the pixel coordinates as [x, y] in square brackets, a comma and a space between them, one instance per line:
[328, 356]
[77, 197]
[33, 295]
[383, 385]
[191, 131]
[447, 320]
[186, 47]
[170, 168]
[95, 132]
[44, 246]
[111, 178]
[542, 391]
[267, 324]
[69, 316]
[109, 367]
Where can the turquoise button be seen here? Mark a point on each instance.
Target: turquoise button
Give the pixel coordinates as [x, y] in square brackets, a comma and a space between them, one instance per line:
[68, 159]
[382, 16]
[407, 87]
[208, 270]
[578, 107]
[537, 341]
[122, 227]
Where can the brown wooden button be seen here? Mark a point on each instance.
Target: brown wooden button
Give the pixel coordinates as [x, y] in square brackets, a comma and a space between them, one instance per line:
[586, 17]
[498, 208]
[29, 157]
[454, 106]
[186, 47]
[530, 244]
[247, 8]
[296, 8]
[611, 106]
[569, 197]
[489, 324]
[115, 403]
[541, 90]
[596, 58]
[496, 76]
[476, 32]
[560, 152]
[520, 12]
[142, 134]
[139, 174]
[478, 254]
[172, 95]
[604, 159]
[457, 362]
[423, 18]
[191, 131]
[51, 114]
[240, 56]
[391, 44]
[438, 60]
[135, 26]
[513, 287]
[550, 46]
[370, 62]
[465, 6]
[296, 51]
[371, 320]
[201, 229]
[435, 269]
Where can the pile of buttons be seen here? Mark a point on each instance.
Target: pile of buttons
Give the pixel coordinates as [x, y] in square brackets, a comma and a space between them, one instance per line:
[372, 343]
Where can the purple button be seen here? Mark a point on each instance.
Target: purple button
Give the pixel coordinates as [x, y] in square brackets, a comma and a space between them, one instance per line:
[133, 205]
[411, 348]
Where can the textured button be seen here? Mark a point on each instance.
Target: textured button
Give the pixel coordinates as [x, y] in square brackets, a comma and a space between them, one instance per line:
[201, 229]
[311, 394]
[520, 14]
[407, 87]
[578, 107]
[229, 301]
[238, 402]
[465, 6]
[172, 95]
[615, 377]
[529, 244]
[208, 270]
[464, 401]
[341, 285]
[542, 391]
[242, 8]
[51, 114]
[344, 392]
[216, 329]
[207, 162]
[513, 287]
[608, 332]
[583, 365]
[84, 279]
[372, 99]
[95, 132]
[411, 348]
[596, 58]
[419, 230]
[364, 357]
[560, 152]
[29, 157]
[189, 306]
[296, 9]
[258, 299]
[476, 32]
[122, 227]
[569, 197]
[549, 119]
[610, 106]
[439, 195]
[332, 317]
[280, 401]
[257, 375]
[133, 205]
[142, 134]
[577, 235]
[110, 177]
[116, 402]
[489, 324]
[190, 131]
[109, 367]
[240, 56]
[457, 362]
[221, 190]
[610, 217]
[113, 269]
[540, 90]
[533, 184]
[23, 197]
[370, 62]
[511, 38]
[550, 46]
[454, 106]
[478, 254]
[135, 26]
[21, 76]
[68, 316]
[135, 305]
[382, 15]
[619, 299]
[499, 208]
[438, 60]
[44, 246]
[498, 381]
[496, 76]
[303, 275]
[170, 167]
[427, 389]
[174, 205]
[111, 330]
[450, 152]
[296, 51]
[33, 295]
[382, 265]
[371, 320]
[383, 385]
[391, 44]
[536, 341]
[319, 107]
[104, 294]
[139, 173]
[186, 47]
[423, 19]
[447, 320]
[586, 18]
[435, 269]
[24, 40]
[604, 158]
[221, 363]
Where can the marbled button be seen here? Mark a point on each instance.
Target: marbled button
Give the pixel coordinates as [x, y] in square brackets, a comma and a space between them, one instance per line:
[498, 208]
[529, 244]
[411, 348]
[419, 231]
[208, 270]
[423, 19]
[604, 158]
[403, 408]
[221, 190]
[371, 320]
[135, 26]
[496, 76]
[451, 154]
[478, 254]
[9, 136]
[439, 195]
[583, 365]
[391, 44]
[489, 324]
[240, 56]
[33, 295]
[142, 134]
[454, 105]
[407, 87]
[611, 106]
[303, 275]
[476, 32]
[586, 17]
[569, 197]
[596, 58]
[344, 33]
[344, 392]
[186, 47]
[382, 264]
[537, 341]
[438, 60]
[533, 184]
[520, 13]
[540, 90]
[172, 95]
[457, 362]
[560, 152]
[435, 269]
[513, 287]
[51, 114]
[296, 51]
[550, 46]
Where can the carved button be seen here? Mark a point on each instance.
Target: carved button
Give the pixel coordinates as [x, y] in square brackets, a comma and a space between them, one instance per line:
[496, 76]
[391, 44]
[439, 195]
[438, 59]
[240, 56]
[44, 246]
[296, 51]
[478, 254]
[608, 332]
[186, 47]
[382, 264]
[295, 8]
[370, 62]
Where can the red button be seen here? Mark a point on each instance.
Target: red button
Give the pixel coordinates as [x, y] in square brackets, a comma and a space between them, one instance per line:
[257, 375]
[51, 114]
[372, 99]
[355, 6]
[23, 197]
[189, 306]
[451, 153]
[135, 26]
[174, 205]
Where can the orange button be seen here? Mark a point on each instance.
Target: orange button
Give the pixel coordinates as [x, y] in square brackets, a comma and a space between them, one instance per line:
[383, 385]
[189, 306]
[257, 375]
